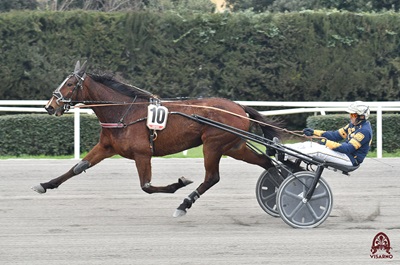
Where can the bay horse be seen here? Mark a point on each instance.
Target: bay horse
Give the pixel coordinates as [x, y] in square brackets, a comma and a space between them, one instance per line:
[123, 111]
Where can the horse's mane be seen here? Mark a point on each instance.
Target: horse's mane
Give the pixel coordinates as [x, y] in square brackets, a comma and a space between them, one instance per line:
[120, 87]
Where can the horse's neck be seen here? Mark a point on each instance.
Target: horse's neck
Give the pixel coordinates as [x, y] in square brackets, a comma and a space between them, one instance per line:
[109, 105]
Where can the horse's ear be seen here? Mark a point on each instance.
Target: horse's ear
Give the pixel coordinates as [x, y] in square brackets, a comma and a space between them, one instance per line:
[83, 68]
[77, 67]
[80, 70]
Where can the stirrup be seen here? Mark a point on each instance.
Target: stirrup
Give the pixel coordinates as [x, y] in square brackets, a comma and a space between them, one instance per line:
[276, 140]
[279, 155]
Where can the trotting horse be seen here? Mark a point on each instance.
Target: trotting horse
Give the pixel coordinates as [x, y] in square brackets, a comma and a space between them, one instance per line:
[123, 111]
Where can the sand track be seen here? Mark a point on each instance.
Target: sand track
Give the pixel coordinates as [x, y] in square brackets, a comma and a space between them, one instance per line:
[103, 217]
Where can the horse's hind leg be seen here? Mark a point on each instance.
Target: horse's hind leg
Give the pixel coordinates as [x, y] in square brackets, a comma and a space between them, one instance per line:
[97, 154]
[242, 152]
[211, 164]
[143, 165]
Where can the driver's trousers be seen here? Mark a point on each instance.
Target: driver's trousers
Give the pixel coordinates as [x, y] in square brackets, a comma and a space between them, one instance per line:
[320, 151]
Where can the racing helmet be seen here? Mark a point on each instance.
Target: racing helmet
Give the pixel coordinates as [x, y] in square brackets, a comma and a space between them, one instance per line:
[360, 108]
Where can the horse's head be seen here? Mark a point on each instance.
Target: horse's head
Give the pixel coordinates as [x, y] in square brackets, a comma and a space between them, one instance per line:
[65, 94]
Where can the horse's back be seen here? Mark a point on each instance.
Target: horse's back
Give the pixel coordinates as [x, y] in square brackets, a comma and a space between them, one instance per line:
[183, 132]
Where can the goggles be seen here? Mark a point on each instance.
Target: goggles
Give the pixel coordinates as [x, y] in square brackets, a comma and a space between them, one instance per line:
[353, 115]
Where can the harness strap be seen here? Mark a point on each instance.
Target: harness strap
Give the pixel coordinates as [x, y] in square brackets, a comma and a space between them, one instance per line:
[117, 125]
[127, 111]
[152, 138]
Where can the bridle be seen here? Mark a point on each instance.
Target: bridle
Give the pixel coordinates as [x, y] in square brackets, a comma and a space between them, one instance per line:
[67, 100]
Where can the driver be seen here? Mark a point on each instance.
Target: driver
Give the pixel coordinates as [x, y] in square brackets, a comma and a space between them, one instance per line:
[348, 145]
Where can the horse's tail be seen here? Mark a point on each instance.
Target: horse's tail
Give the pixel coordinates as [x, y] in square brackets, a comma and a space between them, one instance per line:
[269, 128]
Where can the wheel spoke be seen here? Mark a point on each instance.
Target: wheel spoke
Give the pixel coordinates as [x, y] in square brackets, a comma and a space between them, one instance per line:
[296, 210]
[313, 213]
[269, 197]
[293, 195]
[319, 196]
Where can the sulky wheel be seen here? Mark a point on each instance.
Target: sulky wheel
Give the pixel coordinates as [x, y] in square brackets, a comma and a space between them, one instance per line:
[300, 213]
[267, 185]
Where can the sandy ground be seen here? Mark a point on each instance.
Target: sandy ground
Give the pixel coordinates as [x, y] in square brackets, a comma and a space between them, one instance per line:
[103, 217]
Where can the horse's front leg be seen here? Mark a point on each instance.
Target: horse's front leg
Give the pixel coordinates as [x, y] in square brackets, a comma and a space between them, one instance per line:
[97, 154]
[143, 165]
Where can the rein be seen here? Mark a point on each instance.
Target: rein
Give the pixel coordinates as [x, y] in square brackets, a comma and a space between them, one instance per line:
[247, 118]
[80, 75]
[120, 124]
[112, 125]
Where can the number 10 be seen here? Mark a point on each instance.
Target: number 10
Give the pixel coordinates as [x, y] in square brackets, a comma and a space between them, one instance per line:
[158, 115]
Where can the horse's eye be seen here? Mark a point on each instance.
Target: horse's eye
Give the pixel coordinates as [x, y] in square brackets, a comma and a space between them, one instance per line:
[69, 84]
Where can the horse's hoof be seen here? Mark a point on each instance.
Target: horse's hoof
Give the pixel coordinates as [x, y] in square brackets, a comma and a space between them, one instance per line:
[184, 181]
[179, 213]
[39, 189]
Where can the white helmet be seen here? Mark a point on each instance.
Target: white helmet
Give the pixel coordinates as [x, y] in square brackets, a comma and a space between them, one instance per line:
[360, 108]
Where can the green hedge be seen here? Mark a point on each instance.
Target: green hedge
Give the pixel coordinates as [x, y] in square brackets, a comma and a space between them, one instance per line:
[41, 134]
[299, 56]
[390, 123]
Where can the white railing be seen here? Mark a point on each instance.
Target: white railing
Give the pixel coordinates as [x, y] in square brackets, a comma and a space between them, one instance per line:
[10, 106]
[321, 107]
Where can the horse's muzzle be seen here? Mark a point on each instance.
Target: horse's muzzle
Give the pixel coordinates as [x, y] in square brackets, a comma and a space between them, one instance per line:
[50, 110]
